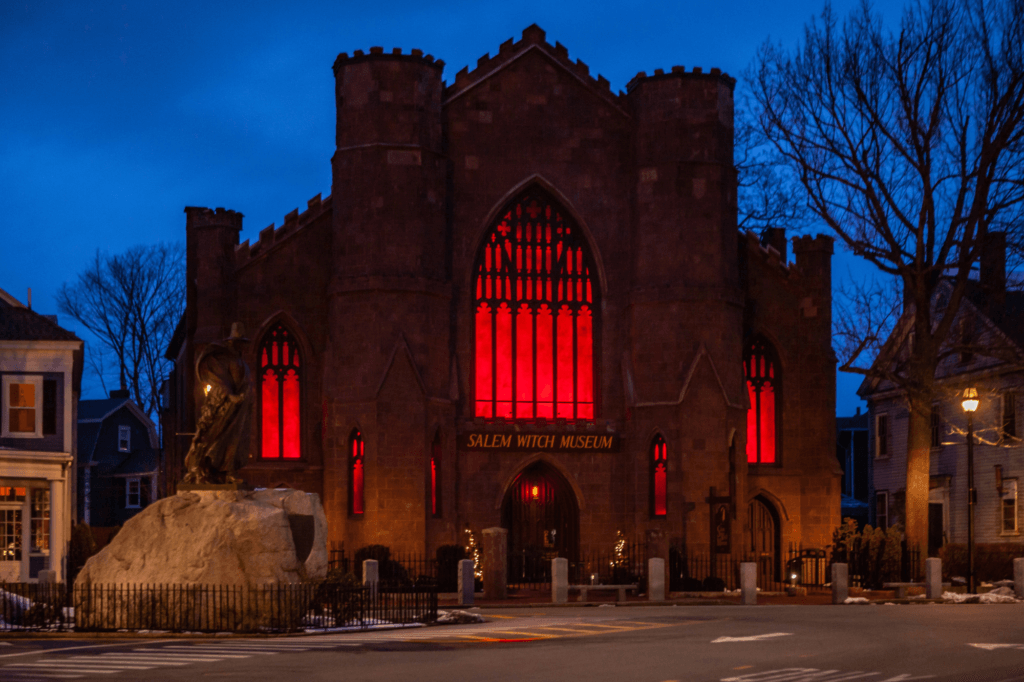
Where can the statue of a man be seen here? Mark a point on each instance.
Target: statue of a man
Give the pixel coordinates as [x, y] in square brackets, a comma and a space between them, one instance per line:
[221, 444]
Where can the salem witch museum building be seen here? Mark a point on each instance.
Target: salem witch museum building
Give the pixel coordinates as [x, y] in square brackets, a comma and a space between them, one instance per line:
[527, 304]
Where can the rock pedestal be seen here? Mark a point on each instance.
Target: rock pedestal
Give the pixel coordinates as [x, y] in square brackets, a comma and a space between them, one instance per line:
[239, 538]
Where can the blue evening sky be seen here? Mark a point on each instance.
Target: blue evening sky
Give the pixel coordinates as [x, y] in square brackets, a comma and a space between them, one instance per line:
[114, 116]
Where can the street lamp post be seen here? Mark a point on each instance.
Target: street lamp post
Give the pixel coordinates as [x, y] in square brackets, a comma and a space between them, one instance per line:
[970, 404]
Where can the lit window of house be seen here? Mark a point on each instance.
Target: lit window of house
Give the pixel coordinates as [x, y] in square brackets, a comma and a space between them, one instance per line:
[22, 406]
[124, 439]
[40, 527]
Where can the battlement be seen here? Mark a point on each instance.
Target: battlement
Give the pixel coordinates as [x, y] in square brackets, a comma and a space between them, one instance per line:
[680, 72]
[533, 37]
[269, 236]
[200, 216]
[376, 53]
[808, 243]
[768, 252]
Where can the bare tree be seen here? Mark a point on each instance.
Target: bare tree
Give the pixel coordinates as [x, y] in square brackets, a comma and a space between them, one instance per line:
[909, 145]
[131, 303]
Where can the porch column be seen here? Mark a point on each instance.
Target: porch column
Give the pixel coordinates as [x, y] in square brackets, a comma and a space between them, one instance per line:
[58, 514]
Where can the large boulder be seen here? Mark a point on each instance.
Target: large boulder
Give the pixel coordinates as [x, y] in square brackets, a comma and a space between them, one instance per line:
[240, 538]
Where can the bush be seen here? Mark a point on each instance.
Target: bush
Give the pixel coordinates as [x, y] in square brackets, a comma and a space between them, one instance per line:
[388, 570]
[992, 561]
[874, 555]
[713, 584]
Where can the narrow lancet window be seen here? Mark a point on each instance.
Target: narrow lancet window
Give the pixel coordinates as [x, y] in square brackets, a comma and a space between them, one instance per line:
[356, 489]
[763, 390]
[659, 477]
[280, 396]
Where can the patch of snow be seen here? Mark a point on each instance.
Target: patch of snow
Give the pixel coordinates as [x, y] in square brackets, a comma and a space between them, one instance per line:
[1000, 595]
[456, 617]
[601, 606]
[856, 600]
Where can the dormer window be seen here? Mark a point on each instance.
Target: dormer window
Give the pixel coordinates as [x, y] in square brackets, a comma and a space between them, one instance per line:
[124, 439]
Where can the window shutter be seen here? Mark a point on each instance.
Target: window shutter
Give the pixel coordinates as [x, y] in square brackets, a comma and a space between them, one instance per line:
[49, 407]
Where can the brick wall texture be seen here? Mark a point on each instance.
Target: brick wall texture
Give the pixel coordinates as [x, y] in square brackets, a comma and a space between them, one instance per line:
[376, 284]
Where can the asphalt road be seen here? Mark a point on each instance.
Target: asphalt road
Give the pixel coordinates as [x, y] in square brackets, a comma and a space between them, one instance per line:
[982, 643]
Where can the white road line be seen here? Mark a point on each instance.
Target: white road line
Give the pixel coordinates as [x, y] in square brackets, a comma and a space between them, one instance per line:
[220, 651]
[990, 647]
[108, 669]
[751, 638]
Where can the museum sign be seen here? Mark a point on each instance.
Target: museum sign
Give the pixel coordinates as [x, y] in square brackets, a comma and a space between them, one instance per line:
[551, 442]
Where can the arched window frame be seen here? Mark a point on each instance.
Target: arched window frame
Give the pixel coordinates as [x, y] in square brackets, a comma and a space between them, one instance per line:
[763, 376]
[436, 501]
[356, 474]
[281, 402]
[658, 457]
[536, 315]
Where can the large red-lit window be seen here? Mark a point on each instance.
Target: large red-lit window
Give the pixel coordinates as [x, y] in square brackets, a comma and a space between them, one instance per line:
[659, 478]
[535, 316]
[764, 416]
[356, 474]
[435, 477]
[280, 396]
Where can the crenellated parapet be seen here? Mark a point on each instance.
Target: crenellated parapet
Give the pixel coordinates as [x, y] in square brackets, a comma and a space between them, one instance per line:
[358, 56]
[679, 71]
[533, 38]
[271, 235]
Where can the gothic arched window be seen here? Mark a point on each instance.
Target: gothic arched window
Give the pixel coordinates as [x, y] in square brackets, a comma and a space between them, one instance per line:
[659, 477]
[356, 488]
[435, 477]
[764, 416]
[536, 315]
[280, 396]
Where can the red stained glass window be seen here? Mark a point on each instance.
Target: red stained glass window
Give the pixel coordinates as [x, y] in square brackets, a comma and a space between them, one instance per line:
[356, 490]
[535, 316]
[763, 389]
[280, 396]
[659, 477]
[435, 477]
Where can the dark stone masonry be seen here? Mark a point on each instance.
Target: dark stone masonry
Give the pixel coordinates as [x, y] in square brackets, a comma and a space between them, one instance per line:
[400, 394]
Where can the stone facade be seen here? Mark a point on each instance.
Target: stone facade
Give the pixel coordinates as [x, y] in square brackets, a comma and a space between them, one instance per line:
[376, 285]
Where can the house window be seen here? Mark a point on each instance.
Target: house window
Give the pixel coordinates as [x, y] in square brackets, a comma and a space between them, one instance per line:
[40, 525]
[10, 534]
[355, 474]
[435, 477]
[133, 493]
[280, 408]
[1009, 415]
[22, 406]
[49, 407]
[1008, 506]
[882, 436]
[882, 509]
[763, 416]
[536, 316]
[936, 427]
[124, 439]
[659, 478]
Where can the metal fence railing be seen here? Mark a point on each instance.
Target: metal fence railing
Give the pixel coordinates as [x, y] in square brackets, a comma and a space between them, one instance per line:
[211, 608]
[394, 569]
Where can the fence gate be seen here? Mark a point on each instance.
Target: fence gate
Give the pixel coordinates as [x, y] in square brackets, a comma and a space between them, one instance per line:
[764, 541]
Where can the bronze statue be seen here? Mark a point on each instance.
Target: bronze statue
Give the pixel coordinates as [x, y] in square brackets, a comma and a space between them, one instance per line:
[221, 443]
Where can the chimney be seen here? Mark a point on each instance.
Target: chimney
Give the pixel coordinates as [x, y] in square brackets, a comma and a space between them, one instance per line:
[992, 277]
[119, 394]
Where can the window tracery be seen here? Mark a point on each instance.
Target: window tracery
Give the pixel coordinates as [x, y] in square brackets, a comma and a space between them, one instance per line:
[763, 415]
[280, 396]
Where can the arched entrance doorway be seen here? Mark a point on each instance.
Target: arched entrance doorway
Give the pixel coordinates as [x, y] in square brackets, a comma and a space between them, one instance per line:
[765, 538]
[543, 520]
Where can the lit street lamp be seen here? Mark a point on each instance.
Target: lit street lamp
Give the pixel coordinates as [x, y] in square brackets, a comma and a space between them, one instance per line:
[970, 403]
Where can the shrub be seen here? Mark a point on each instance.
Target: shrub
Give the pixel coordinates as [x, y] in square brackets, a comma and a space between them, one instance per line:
[992, 561]
[388, 570]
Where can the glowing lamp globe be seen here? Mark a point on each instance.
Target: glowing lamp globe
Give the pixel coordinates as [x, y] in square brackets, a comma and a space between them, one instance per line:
[970, 400]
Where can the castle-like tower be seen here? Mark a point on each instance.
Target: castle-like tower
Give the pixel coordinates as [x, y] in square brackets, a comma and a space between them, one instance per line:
[527, 304]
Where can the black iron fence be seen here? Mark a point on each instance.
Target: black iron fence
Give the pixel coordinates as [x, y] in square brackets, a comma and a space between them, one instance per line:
[396, 570]
[625, 565]
[211, 608]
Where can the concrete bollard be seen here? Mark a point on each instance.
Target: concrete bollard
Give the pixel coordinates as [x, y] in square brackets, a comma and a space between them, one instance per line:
[495, 563]
[1018, 577]
[840, 583]
[748, 582]
[656, 579]
[933, 578]
[467, 582]
[371, 575]
[559, 581]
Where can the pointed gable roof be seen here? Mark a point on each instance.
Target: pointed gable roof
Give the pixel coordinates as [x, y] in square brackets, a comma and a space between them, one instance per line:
[532, 41]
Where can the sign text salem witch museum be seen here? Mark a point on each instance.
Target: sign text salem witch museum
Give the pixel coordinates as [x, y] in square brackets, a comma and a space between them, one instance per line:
[556, 442]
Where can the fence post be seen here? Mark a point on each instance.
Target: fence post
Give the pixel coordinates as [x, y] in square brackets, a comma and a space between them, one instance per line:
[495, 563]
[656, 579]
[748, 582]
[466, 582]
[933, 577]
[371, 575]
[559, 580]
[1018, 577]
[840, 583]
